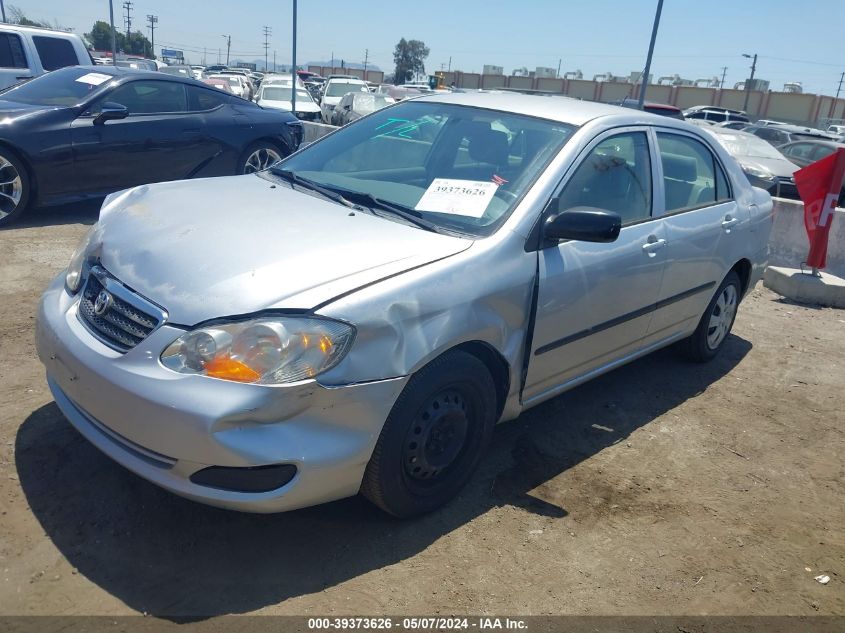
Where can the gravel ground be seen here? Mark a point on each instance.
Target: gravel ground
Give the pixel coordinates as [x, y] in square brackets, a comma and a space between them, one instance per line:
[661, 488]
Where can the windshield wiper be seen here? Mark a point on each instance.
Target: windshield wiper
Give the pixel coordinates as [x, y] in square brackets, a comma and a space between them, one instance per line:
[294, 179]
[406, 213]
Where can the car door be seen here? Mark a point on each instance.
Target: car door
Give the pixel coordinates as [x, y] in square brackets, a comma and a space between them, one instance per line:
[159, 140]
[704, 227]
[594, 300]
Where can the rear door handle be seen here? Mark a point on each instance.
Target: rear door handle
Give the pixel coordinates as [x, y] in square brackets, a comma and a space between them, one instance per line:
[652, 247]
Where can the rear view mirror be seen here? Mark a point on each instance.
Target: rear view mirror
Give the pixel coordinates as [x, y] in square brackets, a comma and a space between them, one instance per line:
[111, 111]
[585, 224]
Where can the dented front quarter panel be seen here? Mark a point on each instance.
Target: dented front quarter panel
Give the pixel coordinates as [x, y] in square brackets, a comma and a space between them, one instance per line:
[482, 294]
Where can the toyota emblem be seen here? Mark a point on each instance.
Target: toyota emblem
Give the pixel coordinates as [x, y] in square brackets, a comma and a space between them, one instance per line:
[102, 303]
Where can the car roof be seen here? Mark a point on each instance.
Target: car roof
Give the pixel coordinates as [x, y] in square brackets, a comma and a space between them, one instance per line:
[121, 72]
[553, 107]
[816, 141]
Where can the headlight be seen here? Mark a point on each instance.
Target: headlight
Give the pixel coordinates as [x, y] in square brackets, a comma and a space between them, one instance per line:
[757, 172]
[268, 351]
[73, 276]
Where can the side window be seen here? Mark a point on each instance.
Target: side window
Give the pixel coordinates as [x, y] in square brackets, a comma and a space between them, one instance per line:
[614, 176]
[800, 150]
[820, 151]
[11, 51]
[55, 52]
[150, 97]
[691, 175]
[202, 99]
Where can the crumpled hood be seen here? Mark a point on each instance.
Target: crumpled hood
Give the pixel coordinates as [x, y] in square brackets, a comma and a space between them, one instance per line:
[218, 247]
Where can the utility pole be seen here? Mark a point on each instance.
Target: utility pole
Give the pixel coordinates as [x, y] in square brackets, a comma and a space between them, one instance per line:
[647, 70]
[3, 10]
[228, 46]
[724, 72]
[113, 38]
[128, 6]
[558, 67]
[274, 61]
[750, 80]
[293, 65]
[267, 32]
[366, 59]
[204, 51]
[450, 65]
[153, 20]
[836, 98]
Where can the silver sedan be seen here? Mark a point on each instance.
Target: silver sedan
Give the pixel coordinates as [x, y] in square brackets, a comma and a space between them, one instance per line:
[358, 317]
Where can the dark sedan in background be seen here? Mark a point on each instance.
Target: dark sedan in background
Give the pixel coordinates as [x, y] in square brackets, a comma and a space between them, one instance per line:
[803, 153]
[84, 132]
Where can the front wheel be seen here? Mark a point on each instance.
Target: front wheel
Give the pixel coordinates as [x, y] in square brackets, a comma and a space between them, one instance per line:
[14, 187]
[433, 438]
[716, 322]
[258, 157]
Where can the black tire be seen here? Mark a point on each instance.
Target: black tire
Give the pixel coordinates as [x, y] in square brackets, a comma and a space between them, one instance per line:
[15, 187]
[433, 438]
[707, 340]
[265, 150]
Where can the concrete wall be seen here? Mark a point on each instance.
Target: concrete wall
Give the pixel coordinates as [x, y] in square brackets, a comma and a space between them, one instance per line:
[805, 109]
[788, 245]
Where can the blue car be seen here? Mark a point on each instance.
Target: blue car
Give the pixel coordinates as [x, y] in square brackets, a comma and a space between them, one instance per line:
[84, 132]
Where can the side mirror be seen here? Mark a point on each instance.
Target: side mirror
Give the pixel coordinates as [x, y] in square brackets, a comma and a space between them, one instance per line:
[584, 224]
[111, 111]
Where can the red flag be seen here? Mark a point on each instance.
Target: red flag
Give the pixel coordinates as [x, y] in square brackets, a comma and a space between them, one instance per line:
[819, 184]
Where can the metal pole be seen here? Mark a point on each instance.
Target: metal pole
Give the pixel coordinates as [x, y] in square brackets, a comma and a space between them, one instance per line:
[113, 38]
[832, 103]
[558, 67]
[647, 70]
[748, 83]
[293, 65]
[724, 72]
[3, 10]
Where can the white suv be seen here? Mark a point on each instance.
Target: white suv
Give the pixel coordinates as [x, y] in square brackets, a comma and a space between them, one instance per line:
[27, 52]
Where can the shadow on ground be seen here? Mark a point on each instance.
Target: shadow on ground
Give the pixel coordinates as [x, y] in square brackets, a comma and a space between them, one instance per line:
[85, 212]
[171, 557]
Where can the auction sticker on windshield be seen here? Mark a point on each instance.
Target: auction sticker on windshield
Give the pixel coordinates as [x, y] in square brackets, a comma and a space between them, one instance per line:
[95, 79]
[458, 197]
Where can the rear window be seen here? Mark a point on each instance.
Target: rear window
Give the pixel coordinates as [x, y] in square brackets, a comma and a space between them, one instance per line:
[11, 51]
[54, 52]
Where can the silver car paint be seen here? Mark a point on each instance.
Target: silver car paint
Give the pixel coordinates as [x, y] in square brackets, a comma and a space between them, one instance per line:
[407, 311]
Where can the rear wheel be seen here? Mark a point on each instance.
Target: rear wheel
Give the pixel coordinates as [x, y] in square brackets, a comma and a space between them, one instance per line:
[433, 438]
[716, 322]
[14, 187]
[259, 156]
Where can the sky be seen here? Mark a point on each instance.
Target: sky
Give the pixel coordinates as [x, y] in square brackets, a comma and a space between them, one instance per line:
[697, 38]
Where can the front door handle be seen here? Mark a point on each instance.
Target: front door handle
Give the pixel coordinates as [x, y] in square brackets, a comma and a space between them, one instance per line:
[729, 223]
[651, 247]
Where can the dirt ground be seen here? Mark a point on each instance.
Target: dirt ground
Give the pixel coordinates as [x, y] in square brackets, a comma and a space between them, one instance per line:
[662, 488]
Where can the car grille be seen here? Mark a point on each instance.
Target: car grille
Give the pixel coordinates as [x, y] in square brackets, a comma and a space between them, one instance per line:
[785, 188]
[127, 318]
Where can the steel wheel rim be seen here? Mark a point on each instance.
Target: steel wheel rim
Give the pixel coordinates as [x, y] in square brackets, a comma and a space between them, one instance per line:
[11, 188]
[722, 316]
[437, 437]
[261, 159]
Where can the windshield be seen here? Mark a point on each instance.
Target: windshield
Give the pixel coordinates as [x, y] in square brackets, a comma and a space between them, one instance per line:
[65, 87]
[366, 103]
[282, 93]
[459, 168]
[338, 89]
[747, 145]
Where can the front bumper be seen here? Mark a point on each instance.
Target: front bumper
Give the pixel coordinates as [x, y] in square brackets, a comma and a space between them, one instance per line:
[166, 426]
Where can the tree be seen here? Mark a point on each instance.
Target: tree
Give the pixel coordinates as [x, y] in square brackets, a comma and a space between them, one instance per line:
[409, 57]
[100, 38]
[18, 17]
